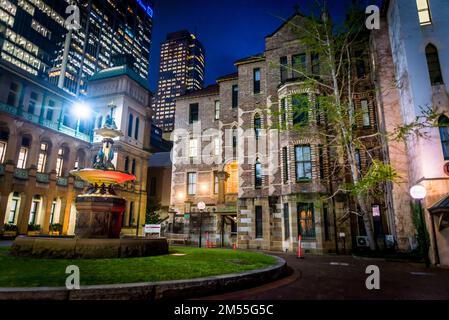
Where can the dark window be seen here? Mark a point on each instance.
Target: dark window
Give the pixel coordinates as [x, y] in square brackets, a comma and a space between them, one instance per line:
[50, 109]
[130, 125]
[257, 126]
[286, 221]
[306, 220]
[433, 64]
[315, 64]
[126, 164]
[32, 102]
[358, 160]
[326, 223]
[284, 113]
[258, 174]
[443, 124]
[365, 114]
[300, 106]
[153, 186]
[256, 80]
[259, 222]
[285, 163]
[303, 162]
[360, 64]
[13, 93]
[377, 220]
[136, 130]
[299, 65]
[193, 112]
[321, 160]
[283, 69]
[235, 96]
[234, 142]
[133, 166]
[131, 214]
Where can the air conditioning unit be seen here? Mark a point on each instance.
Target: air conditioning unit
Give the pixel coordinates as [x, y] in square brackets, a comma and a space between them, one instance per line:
[362, 241]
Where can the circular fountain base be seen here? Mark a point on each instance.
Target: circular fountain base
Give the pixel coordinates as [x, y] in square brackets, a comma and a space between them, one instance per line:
[72, 248]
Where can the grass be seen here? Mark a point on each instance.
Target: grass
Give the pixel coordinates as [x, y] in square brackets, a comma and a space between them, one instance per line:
[187, 264]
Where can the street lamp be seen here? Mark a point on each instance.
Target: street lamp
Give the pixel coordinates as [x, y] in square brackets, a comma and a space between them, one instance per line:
[418, 193]
[201, 206]
[82, 111]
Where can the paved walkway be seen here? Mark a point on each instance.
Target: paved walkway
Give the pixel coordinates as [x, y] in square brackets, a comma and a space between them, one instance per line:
[5, 243]
[343, 277]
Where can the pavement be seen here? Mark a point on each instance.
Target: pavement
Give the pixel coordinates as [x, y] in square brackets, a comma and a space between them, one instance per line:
[5, 243]
[336, 277]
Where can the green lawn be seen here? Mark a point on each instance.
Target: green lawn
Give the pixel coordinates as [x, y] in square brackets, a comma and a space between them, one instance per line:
[31, 272]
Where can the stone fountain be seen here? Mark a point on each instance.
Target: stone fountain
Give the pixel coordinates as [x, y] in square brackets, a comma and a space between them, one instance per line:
[99, 214]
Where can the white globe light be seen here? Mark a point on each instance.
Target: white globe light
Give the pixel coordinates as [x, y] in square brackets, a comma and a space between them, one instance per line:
[81, 110]
[201, 205]
[418, 192]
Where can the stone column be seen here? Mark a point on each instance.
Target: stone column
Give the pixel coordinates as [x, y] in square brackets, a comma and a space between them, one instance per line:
[47, 213]
[5, 190]
[24, 212]
[68, 205]
[222, 176]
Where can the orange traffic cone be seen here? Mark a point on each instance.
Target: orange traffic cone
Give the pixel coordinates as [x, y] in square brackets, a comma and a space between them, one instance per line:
[299, 248]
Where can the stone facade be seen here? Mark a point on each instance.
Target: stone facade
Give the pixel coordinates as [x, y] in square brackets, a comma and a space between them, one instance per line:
[270, 211]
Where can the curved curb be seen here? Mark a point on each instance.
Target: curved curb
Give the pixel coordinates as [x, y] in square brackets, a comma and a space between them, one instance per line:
[161, 290]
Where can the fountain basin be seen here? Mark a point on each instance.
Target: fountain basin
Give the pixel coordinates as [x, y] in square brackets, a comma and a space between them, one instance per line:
[99, 177]
[72, 248]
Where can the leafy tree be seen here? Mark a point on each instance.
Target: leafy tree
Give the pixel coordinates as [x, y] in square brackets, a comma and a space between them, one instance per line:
[152, 214]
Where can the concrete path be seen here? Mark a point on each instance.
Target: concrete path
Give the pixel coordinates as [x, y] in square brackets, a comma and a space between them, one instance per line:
[343, 277]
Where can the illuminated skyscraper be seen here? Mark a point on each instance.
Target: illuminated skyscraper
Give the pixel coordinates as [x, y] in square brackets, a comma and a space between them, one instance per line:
[108, 28]
[34, 38]
[181, 70]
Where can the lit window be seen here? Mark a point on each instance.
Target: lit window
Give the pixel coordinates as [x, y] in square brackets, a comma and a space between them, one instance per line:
[193, 148]
[60, 162]
[191, 183]
[13, 208]
[3, 146]
[365, 114]
[21, 161]
[306, 220]
[41, 162]
[424, 12]
[258, 174]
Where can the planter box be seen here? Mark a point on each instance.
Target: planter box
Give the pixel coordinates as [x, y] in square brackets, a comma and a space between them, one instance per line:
[33, 233]
[54, 233]
[9, 234]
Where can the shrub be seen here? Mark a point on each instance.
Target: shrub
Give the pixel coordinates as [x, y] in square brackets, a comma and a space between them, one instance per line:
[56, 227]
[34, 227]
[11, 227]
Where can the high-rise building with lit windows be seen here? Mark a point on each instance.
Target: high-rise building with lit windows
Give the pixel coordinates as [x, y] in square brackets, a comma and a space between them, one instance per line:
[181, 70]
[108, 28]
[34, 38]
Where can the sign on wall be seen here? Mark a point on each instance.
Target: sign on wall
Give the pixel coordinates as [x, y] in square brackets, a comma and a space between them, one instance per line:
[152, 229]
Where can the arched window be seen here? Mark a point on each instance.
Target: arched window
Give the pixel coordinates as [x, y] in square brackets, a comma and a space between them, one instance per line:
[133, 167]
[130, 125]
[131, 214]
[443, 124]
[433, 64]
[257, 125]
[136, 130]
[258, 174]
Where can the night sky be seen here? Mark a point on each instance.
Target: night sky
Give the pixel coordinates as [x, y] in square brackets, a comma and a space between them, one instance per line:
[228, 29]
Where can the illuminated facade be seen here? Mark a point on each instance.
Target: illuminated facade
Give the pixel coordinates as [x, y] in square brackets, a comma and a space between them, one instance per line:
[108, 28]
[34, 38]
[181, 70]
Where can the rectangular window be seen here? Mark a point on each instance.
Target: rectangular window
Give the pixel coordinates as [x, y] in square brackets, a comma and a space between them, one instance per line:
[321, 160]
[33, 212]
[191, 183]
[3, 146]
[306, 220]
[285, 163]
[13, 210]
[193, 113]
[52, 212]
[42, 159]
[360, 64]
[153, 186]
[193, 148]
[300, 106]
[258, 175]
[366, 114]
[216, 181]
[32, 102]
[60, 162]
[235, 96]
[303, 162]
[326, 223]
[50, 109]
[217, 110]
[358, 161]
[13, 93]
[299, 65]
[22, 160]
[286, 222]
[315, 64]
[424, 15]
[259, 222]
[256, 80]
[284, 113]
[283, 69]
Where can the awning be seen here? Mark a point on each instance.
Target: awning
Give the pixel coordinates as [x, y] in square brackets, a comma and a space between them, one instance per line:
[441, 211]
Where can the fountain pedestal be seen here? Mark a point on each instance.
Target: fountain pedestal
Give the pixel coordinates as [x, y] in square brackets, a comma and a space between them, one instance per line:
[99, 217]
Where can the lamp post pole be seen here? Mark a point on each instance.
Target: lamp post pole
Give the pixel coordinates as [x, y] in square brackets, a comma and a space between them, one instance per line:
[201, 206]
[419, 192]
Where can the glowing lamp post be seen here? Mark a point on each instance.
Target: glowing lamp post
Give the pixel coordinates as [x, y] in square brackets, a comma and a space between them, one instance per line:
[201, 206]
[418, 193]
